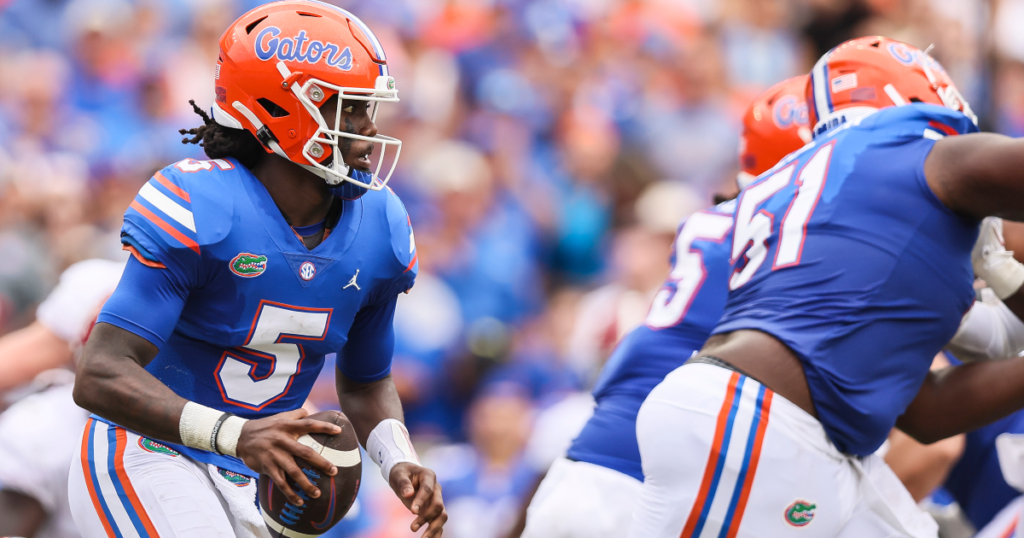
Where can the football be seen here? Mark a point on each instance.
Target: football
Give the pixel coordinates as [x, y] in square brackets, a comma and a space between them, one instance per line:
[337, 493]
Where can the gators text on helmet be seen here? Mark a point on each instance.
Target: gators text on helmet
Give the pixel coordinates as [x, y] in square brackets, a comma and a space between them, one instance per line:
[279, 62]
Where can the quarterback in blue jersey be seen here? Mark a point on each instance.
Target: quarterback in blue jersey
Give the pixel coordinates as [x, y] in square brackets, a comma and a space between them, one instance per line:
[591, 493]
[247, 270]
[851, 270]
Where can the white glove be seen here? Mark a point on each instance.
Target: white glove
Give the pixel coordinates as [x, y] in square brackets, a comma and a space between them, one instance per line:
[993, 263]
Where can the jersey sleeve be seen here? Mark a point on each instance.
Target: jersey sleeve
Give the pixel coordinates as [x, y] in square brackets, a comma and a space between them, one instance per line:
[160, 228]
[147, 302]
[403, 244]
[366, 357]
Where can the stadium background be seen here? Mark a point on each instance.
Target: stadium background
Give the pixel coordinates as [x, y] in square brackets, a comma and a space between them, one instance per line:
[550, 149]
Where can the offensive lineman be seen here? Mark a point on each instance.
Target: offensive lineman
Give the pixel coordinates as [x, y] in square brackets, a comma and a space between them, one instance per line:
[591, 492]
[851, 269]
[247, 270]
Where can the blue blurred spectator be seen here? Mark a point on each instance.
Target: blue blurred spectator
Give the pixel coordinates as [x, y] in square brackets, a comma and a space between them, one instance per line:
[484, 481]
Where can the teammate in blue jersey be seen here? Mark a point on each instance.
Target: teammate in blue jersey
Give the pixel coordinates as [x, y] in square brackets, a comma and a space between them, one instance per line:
[851, 270]
[247, 270]
[591, 493]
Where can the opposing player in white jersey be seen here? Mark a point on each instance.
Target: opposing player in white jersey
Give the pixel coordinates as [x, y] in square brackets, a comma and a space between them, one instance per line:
[591, 492]
[39, 433]
[851, 269]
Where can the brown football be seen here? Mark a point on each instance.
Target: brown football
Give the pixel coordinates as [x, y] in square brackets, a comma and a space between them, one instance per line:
[337, 493]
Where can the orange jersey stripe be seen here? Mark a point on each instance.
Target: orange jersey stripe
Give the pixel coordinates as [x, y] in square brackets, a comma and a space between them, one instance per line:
[143, 261]
[88, 480]
[126, 483]
[182, 193]
[165, 227]
[415, 259]
[709, 468]
[755, 455]
[1012, 528]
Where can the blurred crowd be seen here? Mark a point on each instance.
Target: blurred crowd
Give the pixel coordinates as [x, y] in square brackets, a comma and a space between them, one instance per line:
[551, 148]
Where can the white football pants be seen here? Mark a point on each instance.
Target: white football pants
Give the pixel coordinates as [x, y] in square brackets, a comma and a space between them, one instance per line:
[122, 484]
[725, 457]
[582, 500]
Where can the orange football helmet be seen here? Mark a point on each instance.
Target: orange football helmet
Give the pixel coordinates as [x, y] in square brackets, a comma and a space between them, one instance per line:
[280, 61]
[774, 126]
[865, 74]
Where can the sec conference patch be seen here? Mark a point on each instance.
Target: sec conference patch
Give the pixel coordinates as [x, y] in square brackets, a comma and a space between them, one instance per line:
[800, 513]
[248, 265]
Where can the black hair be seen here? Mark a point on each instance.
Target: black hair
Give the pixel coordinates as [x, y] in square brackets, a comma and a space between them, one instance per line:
[219, 142]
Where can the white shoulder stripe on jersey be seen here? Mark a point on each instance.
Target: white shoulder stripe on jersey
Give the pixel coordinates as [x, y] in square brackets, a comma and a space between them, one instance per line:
[169, 207]
[340, 458]
[933, 135]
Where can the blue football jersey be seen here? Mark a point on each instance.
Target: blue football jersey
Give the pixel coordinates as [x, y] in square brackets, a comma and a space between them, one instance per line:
[682, 316]
[844, 254]
[976, 481]
[247, 313]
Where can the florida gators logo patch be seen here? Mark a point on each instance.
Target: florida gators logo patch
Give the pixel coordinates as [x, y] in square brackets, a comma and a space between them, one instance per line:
[239, 480]
[800, 513]
[150, 445]
[248, 265]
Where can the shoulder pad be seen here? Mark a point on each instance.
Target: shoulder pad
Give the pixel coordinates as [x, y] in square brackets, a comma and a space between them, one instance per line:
[927, 120]
[403, 241]
[177, 211]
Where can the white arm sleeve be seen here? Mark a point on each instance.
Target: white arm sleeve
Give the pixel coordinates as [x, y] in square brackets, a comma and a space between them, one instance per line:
[989, 331]
[78, 297]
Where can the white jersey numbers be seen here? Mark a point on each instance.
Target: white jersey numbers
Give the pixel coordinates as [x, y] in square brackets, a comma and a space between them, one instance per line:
[192, 165]
[236, 373]
[754, 228]
[794, 224]
[688, 273]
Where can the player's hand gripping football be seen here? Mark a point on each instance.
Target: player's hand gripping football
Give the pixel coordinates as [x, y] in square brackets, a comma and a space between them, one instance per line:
[418, 488]
[269, 445]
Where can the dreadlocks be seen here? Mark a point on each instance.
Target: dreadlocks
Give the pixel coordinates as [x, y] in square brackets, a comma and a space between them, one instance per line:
[219, 142]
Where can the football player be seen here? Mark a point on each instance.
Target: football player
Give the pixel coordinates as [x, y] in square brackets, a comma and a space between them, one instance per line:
[851, 269]
[38, 433]
[591, 492]
[247, 270]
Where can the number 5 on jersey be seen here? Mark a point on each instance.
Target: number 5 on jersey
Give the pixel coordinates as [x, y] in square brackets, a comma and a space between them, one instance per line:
[688, 273]
[754, 228]
[263, 351]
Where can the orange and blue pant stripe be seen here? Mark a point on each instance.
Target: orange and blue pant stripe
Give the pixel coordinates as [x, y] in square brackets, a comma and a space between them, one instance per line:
[723, 438]
[108, 474]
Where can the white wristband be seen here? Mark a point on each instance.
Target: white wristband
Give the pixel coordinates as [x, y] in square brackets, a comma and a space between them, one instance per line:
[200, 427]
[230, 431]
[389, 445]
